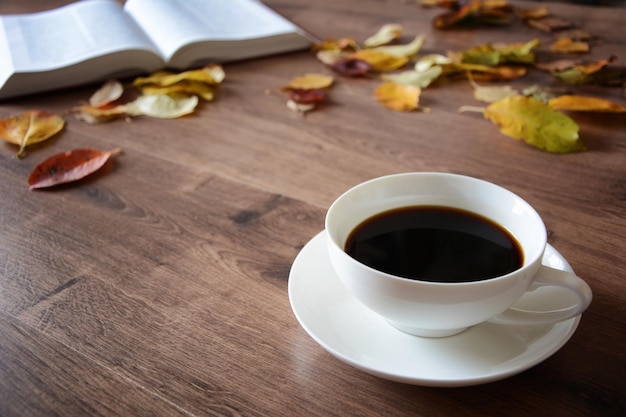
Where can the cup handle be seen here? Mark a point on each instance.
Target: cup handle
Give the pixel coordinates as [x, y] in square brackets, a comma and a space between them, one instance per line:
[547, 276]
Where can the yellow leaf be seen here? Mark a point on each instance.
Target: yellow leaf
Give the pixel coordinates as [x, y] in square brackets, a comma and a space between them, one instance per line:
[532, 13]
[329, 56]
[399, 97]
[536, 123]
[428, 61]
[162, 106]
[30, 127]
[386, 34]
[420, 79]
[94, 115]
[498, 54]
[584, 103]
[380, 61]
[310, 82]
[408, 50]
[187, 87]
[341, 44]
[210, 74]
[490, 94]
[109, 92]
[568, 46]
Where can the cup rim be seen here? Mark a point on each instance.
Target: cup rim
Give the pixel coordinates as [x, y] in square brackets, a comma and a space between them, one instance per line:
[529, 263]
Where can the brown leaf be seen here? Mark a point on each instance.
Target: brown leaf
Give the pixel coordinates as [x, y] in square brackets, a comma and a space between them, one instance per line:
[69, 166]
[30, 127]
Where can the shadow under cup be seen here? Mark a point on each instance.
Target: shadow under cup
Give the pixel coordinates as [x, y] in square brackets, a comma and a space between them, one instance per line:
[434, 308]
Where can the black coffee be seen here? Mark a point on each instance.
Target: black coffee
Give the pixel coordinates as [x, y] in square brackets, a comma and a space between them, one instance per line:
[438, 244]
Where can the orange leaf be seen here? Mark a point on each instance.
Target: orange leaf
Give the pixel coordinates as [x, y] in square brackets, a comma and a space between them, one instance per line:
[30, 127]
[399, 97]
[69, 166]
[584, 103]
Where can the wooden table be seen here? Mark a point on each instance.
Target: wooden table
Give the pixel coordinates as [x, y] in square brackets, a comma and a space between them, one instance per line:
[159, 286]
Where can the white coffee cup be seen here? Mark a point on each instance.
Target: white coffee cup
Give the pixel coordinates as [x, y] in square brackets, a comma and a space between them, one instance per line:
[437, 309]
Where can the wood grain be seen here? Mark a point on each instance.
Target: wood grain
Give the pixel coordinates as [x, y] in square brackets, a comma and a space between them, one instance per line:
[158, 286]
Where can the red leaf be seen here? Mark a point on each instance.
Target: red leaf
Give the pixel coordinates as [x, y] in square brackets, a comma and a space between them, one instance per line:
[300, 96]
[69, 166]
[351, 67]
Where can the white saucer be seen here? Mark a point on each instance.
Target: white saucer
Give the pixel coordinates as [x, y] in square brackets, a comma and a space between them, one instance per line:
[359, 337]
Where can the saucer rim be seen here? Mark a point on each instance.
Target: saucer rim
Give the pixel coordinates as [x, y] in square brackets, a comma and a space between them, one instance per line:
[568, 332]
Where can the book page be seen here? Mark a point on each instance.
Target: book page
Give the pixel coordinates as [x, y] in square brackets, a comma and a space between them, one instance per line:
[62, 37]
[173, 25]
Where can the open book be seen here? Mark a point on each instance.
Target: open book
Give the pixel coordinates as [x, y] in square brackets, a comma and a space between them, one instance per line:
[94, 40]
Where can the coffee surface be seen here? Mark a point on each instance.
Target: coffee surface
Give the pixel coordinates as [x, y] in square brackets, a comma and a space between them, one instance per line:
[431, 243]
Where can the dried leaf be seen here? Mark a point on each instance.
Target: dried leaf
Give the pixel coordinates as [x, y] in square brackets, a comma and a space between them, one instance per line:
[380, 61]
[488, 73]
[330, 56]
[162, 106]
[557, 65]
[496, 54]
[569, 46]
[341, 44]
[398, 97]
[575, 34]
[386, 34]
[585, 103]
[408, 50]
[541, 93]
[108, 93]
[95, 115]
[351, 67]
[310, 82]
[583, 73]
[428, 61]
[446, 4]
[491, 94]
[495, 12]
[313, 96]
[536, 123]
[187, 87]
[420, 79]
[455, 17]
[299, 108]
[532, 13]
[210, 74]
[549, 24]
[30, 127]
[69, 166]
